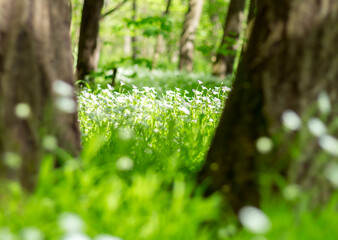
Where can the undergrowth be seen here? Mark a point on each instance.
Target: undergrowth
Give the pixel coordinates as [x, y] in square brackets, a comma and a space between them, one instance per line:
[143, 143]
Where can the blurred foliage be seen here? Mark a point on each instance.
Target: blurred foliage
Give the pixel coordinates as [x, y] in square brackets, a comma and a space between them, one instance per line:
[143, 143]
[115, 31]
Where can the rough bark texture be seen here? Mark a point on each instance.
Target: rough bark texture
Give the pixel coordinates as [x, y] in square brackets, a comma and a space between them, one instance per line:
[35, 51]
[88, 52]
[190, 25]
[232, 28]
[291, 57]
[160, 40]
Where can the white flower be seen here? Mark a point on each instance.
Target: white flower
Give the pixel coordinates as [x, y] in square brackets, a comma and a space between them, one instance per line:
[66, 104]
[254, 220]
[71, 222]
[49, 143]
[22, 110]
[291, 192]
[324, 103]
[75, 236]
[31, 233]
[264, 145]
[125, 134]
[329, 144]
[291, 120]
[316, 127]
[124, 163]
[185, 110]
[331, 173]
[106, 237]
[63, 88]
[12, 160]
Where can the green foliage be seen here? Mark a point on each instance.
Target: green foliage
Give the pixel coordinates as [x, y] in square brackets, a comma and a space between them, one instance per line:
[151, 26]
[135, 178]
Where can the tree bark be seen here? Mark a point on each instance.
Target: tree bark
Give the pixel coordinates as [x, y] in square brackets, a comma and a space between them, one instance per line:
[190, 25]
[291, 57]
[89, 51]
[35, 52]
[134, 37]
[232, 28]
[160, 39]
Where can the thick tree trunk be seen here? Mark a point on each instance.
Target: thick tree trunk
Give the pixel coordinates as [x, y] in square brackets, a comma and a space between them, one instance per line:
[225, 57]
[88, 52]
[291, 57]
[160, 40]
[190, 25]
[35, 59]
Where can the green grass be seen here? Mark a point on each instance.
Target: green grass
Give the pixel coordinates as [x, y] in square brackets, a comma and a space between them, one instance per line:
[143, 145]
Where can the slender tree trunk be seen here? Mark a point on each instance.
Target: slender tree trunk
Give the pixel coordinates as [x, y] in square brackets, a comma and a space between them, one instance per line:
[88, 52]
[190, 25]
[134, 37]
[37, 99]
[232, 28]
[291, 57]
[160, 39]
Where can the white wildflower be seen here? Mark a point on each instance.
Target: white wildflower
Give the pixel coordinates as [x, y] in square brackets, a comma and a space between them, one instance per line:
[254, 220]
[329, 144]
[264, 145]
[22, 110]
[63, 88]
[124, 163]
[291, 120]
[316, 127]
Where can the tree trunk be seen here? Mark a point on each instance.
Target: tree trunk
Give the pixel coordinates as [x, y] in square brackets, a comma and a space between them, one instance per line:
[134, 37]
[35, 55]
[160, 39]
[291, 57]
[232, 28]
[190, 25]
[88, 52]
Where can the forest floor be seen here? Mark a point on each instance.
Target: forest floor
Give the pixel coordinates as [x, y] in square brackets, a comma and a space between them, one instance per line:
[144, 141]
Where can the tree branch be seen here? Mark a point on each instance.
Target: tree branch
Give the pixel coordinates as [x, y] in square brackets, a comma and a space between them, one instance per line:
[114, 9]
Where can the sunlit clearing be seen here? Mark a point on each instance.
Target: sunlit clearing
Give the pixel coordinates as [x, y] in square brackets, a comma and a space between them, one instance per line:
[324, 103]
[66, 104]
[254, 220]
[22, 110]
[31, 233]
[124, 163]
[264, 145]
[63, 88]
[71, 222]
[12, 160]
[291, 120]
[329, 144]
[316, 127]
